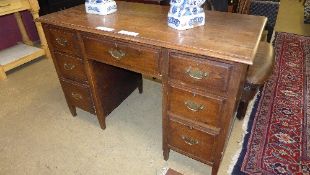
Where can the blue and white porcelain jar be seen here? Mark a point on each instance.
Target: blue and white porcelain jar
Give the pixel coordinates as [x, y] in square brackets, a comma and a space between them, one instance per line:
[100, 7]
[186, 14]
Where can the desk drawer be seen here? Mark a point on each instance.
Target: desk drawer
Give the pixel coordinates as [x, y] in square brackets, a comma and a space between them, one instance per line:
[78, 95]
[70, 67]
[141, 59]
[204, 109]
[199, 72]
[193, 141]
[63, 40]
[9, 6]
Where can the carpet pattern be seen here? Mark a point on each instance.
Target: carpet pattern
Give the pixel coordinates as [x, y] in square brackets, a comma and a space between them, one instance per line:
[278, 139]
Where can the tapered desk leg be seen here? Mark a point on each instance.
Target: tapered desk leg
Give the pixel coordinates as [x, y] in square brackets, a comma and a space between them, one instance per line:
[72, 110]
[101, 120]
[166, 153]
[140, 84]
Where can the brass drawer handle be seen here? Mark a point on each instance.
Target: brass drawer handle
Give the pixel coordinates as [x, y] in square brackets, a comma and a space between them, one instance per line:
[76, 96]
[189, 141]
[69, 66]
[62, 41]
[193, 106]
[117, 53]
[5, 5]
[196, 73]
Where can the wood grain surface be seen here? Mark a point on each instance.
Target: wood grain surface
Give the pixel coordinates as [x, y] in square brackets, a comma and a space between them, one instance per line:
[227, 36]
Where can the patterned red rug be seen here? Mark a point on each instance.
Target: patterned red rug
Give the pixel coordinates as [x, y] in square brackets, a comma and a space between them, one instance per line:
[278, 138]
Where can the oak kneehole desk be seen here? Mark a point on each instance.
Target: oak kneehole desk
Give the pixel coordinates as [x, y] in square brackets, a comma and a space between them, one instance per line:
[202, 69]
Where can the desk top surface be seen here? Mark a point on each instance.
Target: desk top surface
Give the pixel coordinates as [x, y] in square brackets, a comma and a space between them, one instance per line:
[228, 36]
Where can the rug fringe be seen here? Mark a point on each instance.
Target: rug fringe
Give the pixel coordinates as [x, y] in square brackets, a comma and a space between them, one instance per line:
[234, 159]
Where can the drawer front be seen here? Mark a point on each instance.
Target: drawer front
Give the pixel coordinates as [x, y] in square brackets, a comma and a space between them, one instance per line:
[195, 107]
[79, 95]
[130, 56]
[70, 67]
[64, 41]
[199, 72]
[194, 142]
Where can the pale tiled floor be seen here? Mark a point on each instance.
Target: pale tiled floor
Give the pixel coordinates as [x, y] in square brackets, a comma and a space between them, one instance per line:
[39, 136]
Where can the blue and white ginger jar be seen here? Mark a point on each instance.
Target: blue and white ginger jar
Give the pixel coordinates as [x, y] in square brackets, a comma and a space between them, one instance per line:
[186, 14]
[100, 7]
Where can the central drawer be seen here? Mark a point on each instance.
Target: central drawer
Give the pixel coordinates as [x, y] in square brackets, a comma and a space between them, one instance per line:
[134, 57]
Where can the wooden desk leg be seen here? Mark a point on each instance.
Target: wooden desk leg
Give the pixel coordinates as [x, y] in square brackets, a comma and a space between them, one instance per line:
[35, 15]
[140, 84]
[165, 120]
[72, 110]
[22, 29]
[2, 74]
